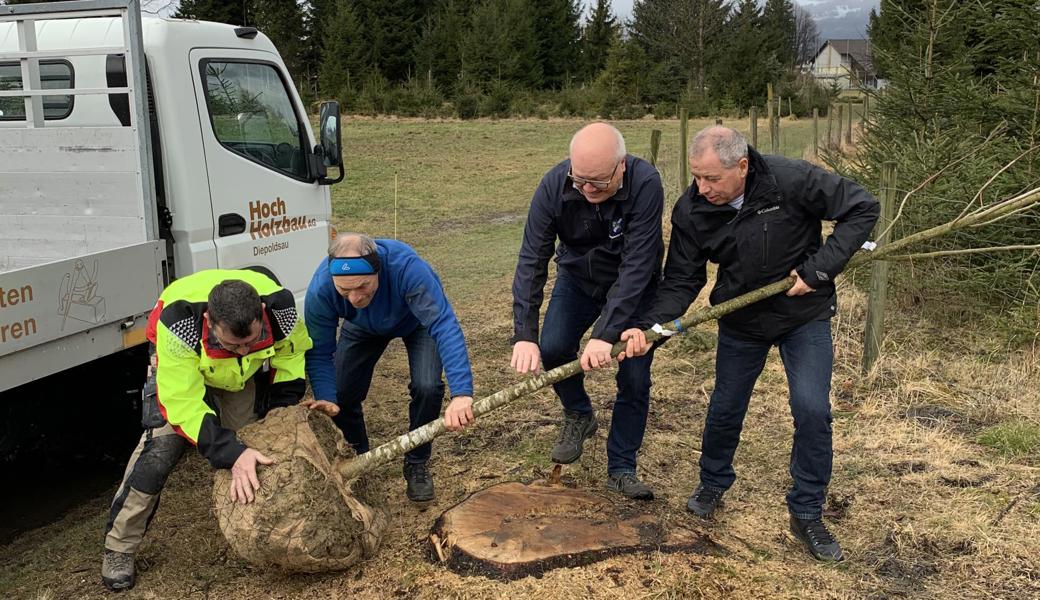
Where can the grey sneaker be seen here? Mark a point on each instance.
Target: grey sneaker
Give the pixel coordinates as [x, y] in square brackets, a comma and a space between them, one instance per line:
[117, 570]
[629, 486]
[704, 501]
[420, 482]
[575, 430]
[814, 534]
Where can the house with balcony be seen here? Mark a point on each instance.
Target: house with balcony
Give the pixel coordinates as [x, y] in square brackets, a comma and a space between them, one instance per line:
[845, 64]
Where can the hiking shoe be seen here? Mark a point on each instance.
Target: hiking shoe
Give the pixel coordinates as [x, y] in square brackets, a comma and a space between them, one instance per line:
[705, 501]
[420, 482]
[117, 570]
[814, 534]
[575, 430]
[629, 486]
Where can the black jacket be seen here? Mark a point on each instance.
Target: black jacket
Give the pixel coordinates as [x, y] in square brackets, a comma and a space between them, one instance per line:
[777, 229]
[612, 249]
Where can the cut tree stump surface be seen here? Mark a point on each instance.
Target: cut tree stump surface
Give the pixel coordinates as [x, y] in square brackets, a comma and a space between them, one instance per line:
[511, 530]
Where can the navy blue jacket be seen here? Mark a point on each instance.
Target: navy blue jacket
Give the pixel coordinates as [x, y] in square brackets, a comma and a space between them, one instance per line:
[612, 249]
[409, 295]
[777, 229]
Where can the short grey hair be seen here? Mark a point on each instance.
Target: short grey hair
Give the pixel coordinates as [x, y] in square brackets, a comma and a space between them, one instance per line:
[351, 244]
[728, 144]
[621, 151]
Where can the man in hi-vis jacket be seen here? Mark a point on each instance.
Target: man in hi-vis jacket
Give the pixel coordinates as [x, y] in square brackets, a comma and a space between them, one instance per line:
[225, 346]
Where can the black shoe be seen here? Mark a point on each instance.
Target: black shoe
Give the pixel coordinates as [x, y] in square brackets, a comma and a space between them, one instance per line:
[420, 482]
[705, 501]
[117, 570]
[576, 428]
[814, 534]
[629, 486]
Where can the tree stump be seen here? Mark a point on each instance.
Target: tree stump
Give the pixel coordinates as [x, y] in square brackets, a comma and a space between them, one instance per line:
[512, 530]
[306, 516]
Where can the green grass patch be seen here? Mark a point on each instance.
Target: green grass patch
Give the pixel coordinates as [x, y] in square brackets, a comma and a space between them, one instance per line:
[459, 191]
[1012, 438]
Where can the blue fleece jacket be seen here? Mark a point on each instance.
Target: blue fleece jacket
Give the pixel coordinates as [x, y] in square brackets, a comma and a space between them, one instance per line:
[409, 295]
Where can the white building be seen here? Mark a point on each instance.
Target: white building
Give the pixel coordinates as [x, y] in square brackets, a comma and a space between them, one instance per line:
[846, 64]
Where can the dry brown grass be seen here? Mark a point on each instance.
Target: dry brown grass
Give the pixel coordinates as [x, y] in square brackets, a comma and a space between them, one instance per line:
[922, 509]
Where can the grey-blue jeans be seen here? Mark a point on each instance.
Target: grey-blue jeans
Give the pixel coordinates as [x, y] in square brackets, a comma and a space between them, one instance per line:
[808, 357]
[356, 355]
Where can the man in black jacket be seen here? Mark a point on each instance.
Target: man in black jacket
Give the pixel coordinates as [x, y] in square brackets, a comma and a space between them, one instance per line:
[605, 209]
[758, 217]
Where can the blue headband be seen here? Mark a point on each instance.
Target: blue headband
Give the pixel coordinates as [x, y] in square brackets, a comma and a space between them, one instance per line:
[354, 265]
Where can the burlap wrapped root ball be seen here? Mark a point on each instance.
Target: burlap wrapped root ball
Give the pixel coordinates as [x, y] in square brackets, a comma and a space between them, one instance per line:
[306, 516]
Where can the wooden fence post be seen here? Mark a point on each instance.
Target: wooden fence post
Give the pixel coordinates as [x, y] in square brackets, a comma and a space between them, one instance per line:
[829, 142]
[815, 131]
[684, 175]
[774, 132]
[655, 145]
[769, 114]
[840, 119]
[875, 331]
[848, 125]
[754, 126]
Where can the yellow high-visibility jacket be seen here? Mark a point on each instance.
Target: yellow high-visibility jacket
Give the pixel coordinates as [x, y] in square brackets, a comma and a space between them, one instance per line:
[190, 358]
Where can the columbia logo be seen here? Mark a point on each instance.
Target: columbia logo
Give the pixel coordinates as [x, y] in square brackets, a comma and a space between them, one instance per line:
[765, 210]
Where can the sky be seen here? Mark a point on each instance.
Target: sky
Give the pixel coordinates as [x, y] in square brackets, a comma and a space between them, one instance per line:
[834, 18]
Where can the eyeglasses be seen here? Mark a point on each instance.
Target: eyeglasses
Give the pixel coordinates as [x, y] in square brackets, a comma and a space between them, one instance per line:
[579, 182]
[237, 347]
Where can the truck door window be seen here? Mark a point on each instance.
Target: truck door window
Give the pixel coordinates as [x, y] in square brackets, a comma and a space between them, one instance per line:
[54, 74]
[253, 115]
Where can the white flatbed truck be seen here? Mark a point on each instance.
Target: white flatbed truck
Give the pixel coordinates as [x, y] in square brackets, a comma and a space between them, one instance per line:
[132, 152]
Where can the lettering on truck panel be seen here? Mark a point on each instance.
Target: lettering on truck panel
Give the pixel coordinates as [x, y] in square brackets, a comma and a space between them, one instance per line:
[18, 329]
[270, 218]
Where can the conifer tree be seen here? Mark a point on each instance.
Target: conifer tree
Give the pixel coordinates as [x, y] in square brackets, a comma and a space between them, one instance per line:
[557, 34]
[959, 108]
[597, 36]
[343, 57]
[779, 26]
[500, 44]
[238, 12]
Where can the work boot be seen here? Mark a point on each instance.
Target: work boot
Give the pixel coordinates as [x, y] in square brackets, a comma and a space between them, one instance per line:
[629, 486]
[420, 482]
[117, 570]
[705, 501]
[814, 534]
[575, 430]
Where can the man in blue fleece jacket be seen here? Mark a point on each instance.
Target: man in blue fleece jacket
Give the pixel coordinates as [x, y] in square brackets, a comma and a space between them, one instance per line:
[383, 290]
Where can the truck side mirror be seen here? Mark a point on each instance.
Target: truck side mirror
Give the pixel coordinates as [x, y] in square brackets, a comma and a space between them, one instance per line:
[331, 146]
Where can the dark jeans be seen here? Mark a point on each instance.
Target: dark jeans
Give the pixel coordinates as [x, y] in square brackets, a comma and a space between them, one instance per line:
[807, 355]
[356, 355]
[570, 314]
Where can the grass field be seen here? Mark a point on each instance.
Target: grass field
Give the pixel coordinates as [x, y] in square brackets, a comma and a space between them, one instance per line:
[936, 489]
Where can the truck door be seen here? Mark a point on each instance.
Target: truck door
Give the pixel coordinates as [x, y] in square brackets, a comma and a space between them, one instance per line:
[267, 209]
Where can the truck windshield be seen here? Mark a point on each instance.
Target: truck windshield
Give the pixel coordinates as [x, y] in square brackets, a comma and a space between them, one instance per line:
[253, 115]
